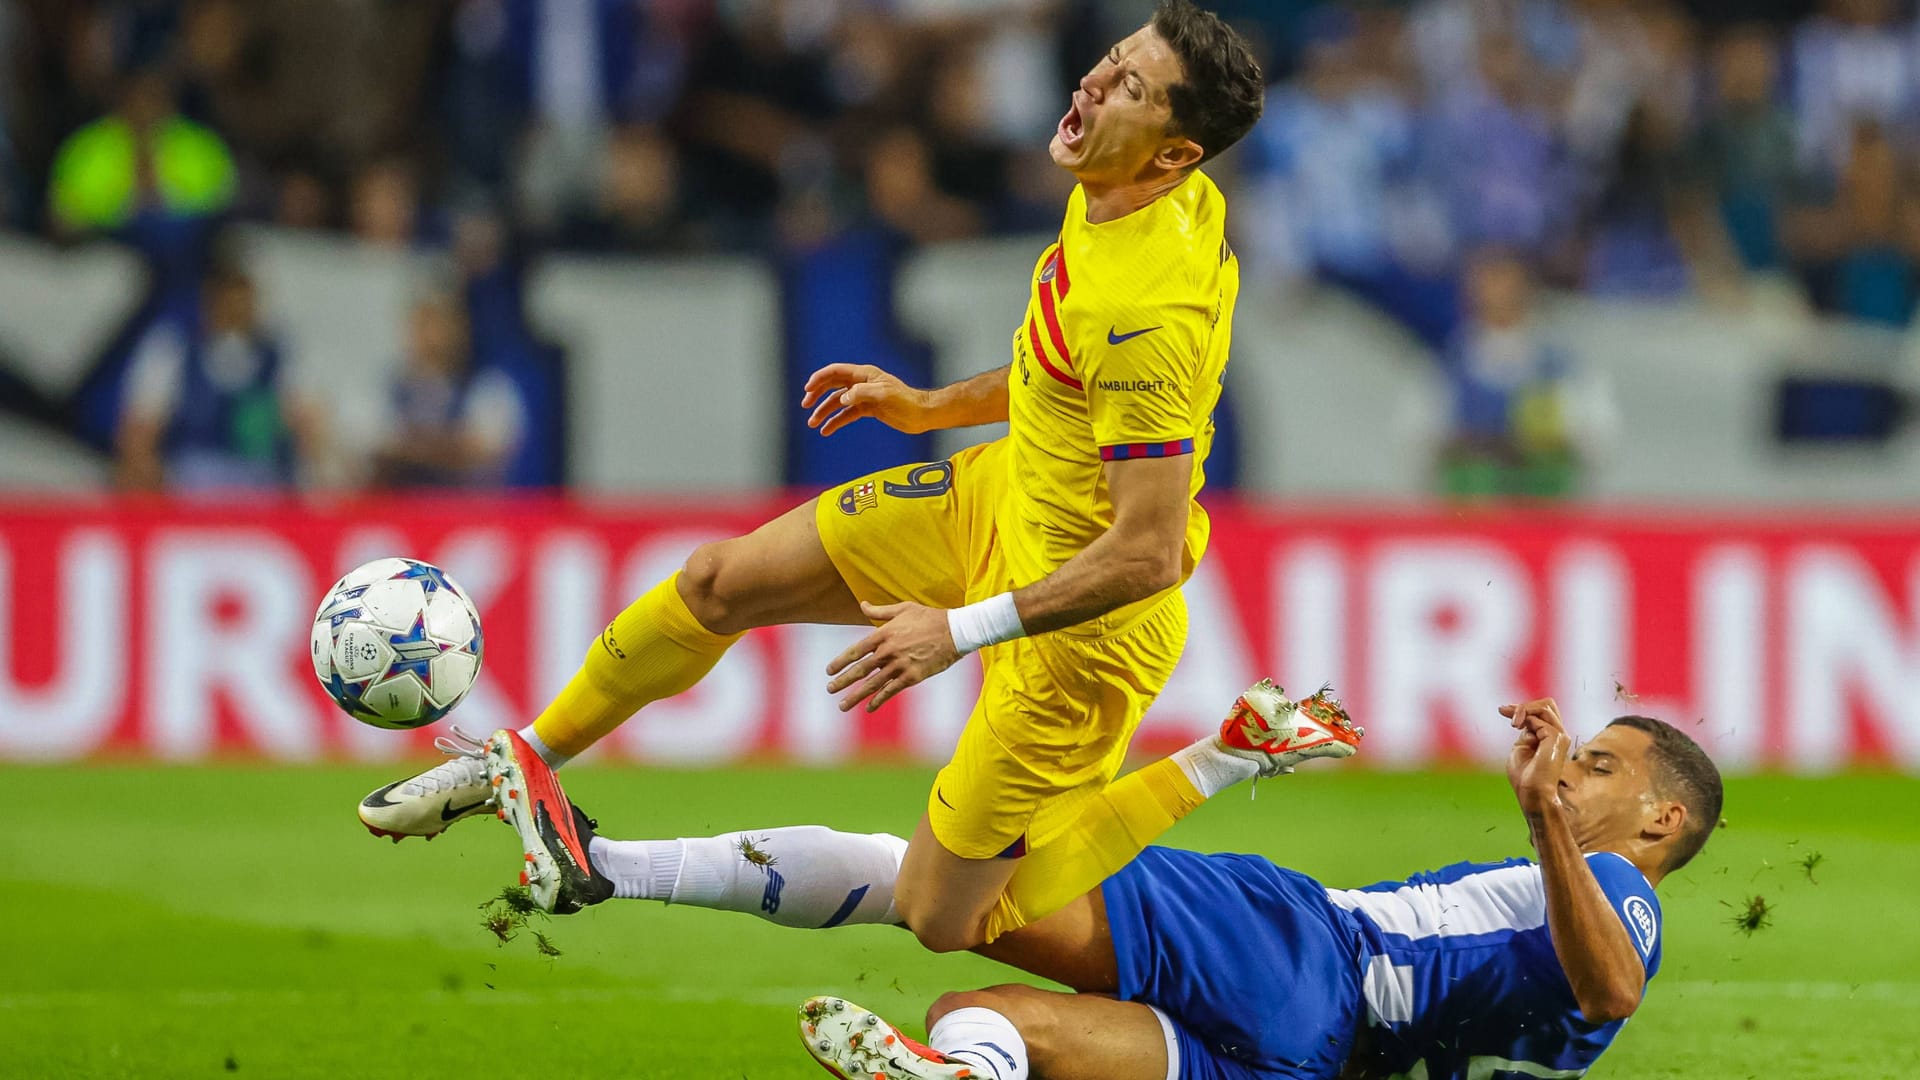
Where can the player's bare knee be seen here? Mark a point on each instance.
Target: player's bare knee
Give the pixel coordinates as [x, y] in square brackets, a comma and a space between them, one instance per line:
[951, 1001]
[926, 926]
[702, 587]
[1033, 1013]
[941, 932]
[948, 935]
[1008, 1000]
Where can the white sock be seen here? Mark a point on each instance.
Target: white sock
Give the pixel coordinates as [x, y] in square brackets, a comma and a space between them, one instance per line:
[984, 1039]
[640, 869]
[805, 876]
[548, 754]
[1211, 768]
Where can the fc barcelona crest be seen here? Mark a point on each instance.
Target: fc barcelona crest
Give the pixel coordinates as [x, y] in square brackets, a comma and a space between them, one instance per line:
[858, 499]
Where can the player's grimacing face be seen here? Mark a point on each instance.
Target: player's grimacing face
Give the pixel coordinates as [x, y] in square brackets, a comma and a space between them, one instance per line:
[1118, 117]
[1608, 788]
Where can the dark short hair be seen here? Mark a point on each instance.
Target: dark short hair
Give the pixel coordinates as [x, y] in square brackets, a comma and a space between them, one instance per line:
[1221, 92]
[1683, 772]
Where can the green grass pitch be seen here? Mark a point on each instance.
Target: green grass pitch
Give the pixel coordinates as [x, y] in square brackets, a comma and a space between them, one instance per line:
[203, 922]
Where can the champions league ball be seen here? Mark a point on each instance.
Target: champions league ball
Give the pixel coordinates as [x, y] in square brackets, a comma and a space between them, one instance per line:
[396, 643]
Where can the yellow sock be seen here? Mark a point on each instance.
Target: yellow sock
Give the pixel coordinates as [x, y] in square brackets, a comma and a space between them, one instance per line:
[1116, 825]
[654, 649]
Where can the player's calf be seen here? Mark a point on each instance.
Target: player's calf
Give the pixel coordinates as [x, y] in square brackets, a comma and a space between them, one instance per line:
[1012, 1032]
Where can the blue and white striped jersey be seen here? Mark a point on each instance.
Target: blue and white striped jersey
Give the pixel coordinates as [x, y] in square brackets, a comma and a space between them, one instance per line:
[1460, 977]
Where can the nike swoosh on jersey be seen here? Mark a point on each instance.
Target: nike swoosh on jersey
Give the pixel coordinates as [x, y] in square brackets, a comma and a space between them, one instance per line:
[1119, 339]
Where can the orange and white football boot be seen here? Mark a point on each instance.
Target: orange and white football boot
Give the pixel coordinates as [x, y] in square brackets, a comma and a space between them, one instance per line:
[854, 1044]
[1277, 733]
[554, 833]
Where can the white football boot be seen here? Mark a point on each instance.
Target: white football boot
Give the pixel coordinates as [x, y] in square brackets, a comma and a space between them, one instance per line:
[426, 804]
[853, 1044]
[1277, 733]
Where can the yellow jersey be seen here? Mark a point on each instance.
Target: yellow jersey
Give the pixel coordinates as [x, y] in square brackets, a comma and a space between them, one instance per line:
[1121, 356]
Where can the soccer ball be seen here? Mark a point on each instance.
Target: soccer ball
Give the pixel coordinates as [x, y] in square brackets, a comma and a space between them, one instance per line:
[396, 643]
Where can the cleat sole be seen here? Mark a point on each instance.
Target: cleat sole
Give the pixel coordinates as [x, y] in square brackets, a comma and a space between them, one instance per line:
[835, 1032]
[396, 837]
[540, 876]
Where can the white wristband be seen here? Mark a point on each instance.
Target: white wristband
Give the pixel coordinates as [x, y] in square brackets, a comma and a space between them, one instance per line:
[989, 622]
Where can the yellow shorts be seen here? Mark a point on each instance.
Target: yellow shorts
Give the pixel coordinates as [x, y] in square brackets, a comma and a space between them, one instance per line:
[1056, 711]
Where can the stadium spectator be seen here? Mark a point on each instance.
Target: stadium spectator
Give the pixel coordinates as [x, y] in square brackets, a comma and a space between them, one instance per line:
[1854, 60]
[491, 278]
[11, 182]
[224, 83]
[638, 204]
[450, 422]
[1651, 233]
[211, 401]
[902, 194]
[384, 206]
[1005, 43]
[969, 159]
[1857, 249]
[1746, 144]
[754, 121]
[1632, 57]
[1442, 39]
[577, 69]
[1497, 156]
[1333, 191]
[1523, 418]
[1609, 145]
[345, 82]
[143, 172]
[477, 113]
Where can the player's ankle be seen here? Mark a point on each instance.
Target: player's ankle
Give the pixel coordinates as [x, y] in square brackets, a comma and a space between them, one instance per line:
[1211, 768]
[639, 869]
[977, 1035]
[548, 754]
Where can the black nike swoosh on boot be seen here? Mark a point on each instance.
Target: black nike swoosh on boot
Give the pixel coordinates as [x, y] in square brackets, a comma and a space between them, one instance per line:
[379, 798]
[448, 813]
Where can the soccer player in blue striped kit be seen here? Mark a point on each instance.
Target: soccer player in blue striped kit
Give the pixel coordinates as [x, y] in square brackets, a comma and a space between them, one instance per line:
[1229, 967]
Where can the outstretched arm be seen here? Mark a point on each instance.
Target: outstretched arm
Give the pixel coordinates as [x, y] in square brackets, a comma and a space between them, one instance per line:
[839, 394]
[1140, 554]
[1591, 942]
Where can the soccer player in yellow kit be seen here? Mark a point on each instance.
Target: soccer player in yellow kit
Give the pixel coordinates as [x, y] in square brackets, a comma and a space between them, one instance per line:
[1056, 553]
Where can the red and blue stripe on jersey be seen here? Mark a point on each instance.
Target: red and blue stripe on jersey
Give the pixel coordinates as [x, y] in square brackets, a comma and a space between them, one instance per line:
[1051, 289]
[1130, 451]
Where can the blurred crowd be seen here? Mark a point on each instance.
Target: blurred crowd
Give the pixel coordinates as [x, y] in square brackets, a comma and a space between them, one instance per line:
[1621, 148]
[1438, 159]
[631, 125]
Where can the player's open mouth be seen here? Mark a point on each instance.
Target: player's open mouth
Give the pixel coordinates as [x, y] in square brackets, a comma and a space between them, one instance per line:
[1072, 128]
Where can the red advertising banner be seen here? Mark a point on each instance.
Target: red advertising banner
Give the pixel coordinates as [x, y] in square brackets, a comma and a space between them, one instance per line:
[179, 632]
